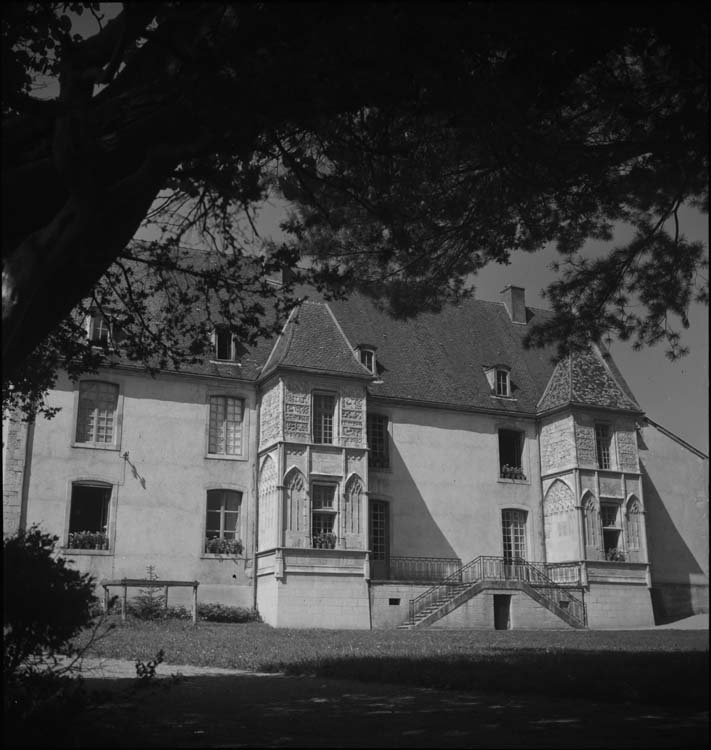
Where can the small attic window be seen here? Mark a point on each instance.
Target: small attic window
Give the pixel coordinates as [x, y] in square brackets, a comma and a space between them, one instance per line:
[503, 383]
[225, 348]
[499, 379]
[367, 357]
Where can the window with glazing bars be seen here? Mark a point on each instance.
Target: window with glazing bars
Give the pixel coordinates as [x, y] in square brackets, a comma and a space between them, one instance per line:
[223, 512]
[96, 418]
[513, 524]
[225, 425]
[324, 407]
[378, 529]
[377, 433]
[323, 515]
[224, 344]
[603, 440]
[502, 383]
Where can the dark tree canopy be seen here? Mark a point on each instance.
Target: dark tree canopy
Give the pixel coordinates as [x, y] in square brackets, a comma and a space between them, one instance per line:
[416, 143]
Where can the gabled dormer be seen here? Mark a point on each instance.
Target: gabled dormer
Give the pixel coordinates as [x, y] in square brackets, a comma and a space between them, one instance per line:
[366, 355]
[499, 380]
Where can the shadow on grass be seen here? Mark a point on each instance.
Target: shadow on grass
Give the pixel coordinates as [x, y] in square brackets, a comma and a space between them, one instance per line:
[670, 679]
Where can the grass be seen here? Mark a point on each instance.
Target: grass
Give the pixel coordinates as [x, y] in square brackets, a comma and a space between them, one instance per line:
[646, 666]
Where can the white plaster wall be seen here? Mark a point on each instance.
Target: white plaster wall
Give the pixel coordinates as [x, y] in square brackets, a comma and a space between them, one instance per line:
[443, 485]
[164, 430]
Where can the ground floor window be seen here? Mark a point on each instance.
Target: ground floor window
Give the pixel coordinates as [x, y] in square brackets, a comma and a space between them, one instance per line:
[89, 516]
[223, 522]
[323, 516]
[513, 524]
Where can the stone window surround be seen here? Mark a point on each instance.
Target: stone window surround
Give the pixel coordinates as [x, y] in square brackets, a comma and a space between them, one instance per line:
[115, 445]
[335, 431]
[91, 479]
[243, 455]
[203, 528]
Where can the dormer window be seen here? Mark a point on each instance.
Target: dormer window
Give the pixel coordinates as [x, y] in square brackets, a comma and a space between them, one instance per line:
[503, 384]
[225, 348]
[367, 357]
[100, 330]
[499, 380]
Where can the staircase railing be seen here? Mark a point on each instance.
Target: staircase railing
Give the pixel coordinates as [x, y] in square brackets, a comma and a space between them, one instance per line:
[487, 568]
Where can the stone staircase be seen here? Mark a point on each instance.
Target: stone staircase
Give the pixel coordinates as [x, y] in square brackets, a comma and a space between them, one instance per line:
[499, 573]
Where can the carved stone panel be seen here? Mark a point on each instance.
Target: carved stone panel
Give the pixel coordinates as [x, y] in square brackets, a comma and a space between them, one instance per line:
[611, 486]
[560, 523]
[585, 441]
[353, 416]
[270, 416]
[297, 405]
[326, 461]
[268, 502]
[557, 445]
[627, 448]
[296, 526]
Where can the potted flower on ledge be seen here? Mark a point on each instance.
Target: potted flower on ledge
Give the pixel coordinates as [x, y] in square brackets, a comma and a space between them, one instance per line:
[87, 540]
[325, 540]
[614, 555]
[217, 546]
[512, 472]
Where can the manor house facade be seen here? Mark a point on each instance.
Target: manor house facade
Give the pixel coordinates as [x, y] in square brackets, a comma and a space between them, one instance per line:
[365, 472]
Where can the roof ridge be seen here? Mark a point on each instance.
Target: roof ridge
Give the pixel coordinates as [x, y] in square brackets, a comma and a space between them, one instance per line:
[345, 338]
[279, 338]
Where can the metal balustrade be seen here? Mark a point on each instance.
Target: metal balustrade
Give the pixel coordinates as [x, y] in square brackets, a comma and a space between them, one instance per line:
[498, 569]
[422, 568]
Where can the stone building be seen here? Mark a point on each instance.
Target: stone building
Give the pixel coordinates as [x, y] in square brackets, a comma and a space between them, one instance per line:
[365, 472]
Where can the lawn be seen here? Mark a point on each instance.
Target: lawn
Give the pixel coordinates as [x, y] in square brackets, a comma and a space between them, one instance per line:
[646, 666]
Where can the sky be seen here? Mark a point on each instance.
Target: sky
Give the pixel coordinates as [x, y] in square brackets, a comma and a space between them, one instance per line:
[674, 394]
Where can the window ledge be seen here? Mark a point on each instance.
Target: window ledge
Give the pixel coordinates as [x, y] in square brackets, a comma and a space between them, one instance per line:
[100, 552]
[508, 480]
[225, 457]
[503, 398]
[216, 556]
[225, 362]
[97, 446]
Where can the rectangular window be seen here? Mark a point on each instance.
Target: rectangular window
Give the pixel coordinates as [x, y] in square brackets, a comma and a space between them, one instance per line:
[513, 524]
[222, 523]
[511, 454]
[367, 358]
[611, 530]
[99, 329]
[603, 441]
[89, 516]
[96, 417]
[377, 433]
[224, 348]
[323, 515]
[225, 426]
[324, 410]
[502, 383]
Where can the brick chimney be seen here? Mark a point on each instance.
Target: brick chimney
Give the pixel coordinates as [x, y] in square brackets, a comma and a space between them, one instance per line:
[514, 297]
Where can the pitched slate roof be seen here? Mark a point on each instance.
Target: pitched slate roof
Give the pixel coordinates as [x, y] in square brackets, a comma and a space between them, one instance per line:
[440, 358]
[589, 378]
[312, 340]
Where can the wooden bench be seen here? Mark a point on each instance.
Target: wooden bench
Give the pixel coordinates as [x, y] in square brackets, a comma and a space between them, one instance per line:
[127, 583]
